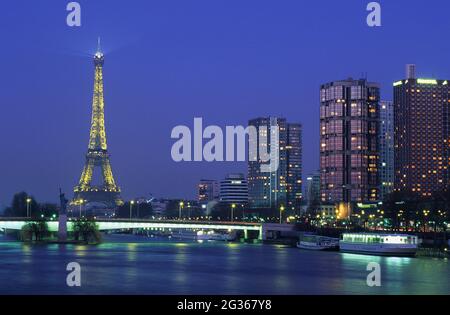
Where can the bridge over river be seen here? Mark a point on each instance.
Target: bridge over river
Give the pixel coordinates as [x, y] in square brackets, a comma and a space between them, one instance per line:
[122, 224]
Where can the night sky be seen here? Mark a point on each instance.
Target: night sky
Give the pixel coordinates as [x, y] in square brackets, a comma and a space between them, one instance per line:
[169, 61]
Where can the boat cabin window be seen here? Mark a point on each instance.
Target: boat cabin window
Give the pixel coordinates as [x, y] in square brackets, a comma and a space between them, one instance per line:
[374, 239]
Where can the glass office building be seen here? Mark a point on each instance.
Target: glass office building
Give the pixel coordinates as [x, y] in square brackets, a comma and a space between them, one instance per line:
[281, 186]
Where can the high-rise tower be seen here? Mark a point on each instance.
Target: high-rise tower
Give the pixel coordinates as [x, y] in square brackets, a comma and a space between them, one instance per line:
[349, 118]
[422, 136]
[386, 149]
[97, 156]
[294, 166]
[268, 189]
[282, 187]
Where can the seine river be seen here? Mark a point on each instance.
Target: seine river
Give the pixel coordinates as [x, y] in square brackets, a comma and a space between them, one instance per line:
[138, 265]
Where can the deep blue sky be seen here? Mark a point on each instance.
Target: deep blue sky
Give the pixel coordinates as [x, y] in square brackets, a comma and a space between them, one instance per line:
[169, 61]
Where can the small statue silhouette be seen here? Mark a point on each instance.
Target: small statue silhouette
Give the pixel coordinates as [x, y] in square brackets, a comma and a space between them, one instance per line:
[63, 202]
[62, 220]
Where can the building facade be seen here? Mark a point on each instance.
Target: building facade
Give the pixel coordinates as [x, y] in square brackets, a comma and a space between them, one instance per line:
[313, 189]
[268, 189]
[208, 190]
[349, 118]
[422, 135]
[294, 166]
[282, 185]
[386, 148]
[234, 189]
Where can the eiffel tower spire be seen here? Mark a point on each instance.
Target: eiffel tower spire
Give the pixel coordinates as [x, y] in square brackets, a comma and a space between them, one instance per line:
[97, 156]
[99, 46]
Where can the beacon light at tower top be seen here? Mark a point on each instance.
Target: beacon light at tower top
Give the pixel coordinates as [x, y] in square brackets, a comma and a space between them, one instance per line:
[99, 53]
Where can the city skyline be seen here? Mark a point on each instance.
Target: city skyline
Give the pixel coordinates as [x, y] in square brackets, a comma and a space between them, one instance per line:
[49, 122]
[225, 155]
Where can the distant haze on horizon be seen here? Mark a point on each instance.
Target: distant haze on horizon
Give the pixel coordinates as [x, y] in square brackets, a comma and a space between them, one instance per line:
[168, 62]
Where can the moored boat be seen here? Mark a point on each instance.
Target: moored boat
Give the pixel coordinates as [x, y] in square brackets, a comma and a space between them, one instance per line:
[214, 236]
[379, 244]
[203, 236]
[317, 242]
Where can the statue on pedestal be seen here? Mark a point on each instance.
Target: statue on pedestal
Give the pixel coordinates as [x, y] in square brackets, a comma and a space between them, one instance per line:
[62, 221]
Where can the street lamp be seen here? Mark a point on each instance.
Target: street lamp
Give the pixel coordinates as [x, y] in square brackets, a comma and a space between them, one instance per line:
[181, 205]
[281, 214]
[131, 207]
[232, 212]
[28, 207]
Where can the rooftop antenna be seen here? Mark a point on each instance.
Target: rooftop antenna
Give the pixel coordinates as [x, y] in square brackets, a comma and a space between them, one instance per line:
[99, 46]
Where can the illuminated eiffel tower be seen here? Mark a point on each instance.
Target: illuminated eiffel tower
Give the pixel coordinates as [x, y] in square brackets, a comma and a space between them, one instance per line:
[97, 156]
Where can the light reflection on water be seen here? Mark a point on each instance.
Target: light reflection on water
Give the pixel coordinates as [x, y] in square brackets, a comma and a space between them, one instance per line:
[143, 266]
[390, 261]
[232, 262]
[281, 278]
[181, 264]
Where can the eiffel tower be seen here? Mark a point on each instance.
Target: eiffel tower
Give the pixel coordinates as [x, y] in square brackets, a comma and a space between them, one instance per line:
[97, 156]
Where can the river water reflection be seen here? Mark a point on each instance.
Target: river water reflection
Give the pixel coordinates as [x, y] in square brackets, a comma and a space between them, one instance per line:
[136, 265]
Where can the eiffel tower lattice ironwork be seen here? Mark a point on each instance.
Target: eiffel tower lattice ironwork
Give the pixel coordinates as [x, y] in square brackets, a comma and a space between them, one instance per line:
[97, 156]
